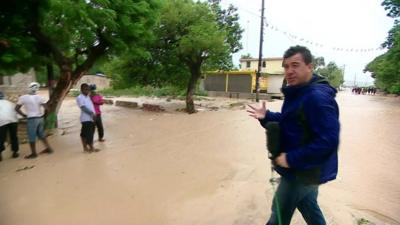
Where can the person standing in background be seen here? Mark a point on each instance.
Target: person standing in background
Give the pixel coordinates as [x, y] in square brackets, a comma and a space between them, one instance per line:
[8, 124]
[33, 104]
[97, 100]
[88, 116]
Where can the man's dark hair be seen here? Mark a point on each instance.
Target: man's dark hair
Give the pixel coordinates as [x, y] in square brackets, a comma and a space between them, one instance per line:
[84, 85]
[304, 52]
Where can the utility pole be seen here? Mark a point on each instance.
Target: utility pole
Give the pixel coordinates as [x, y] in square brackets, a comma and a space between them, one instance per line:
[258, 75]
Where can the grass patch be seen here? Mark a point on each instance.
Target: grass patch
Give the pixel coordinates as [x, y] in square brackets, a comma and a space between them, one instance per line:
[74, 93]
[363, 221]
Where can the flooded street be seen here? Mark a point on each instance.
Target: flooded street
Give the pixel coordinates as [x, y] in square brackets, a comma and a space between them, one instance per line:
[369, 157]
[210, 168]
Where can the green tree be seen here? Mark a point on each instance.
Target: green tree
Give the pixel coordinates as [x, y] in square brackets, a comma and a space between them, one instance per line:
[246, 56]
[393, 6]
[386, 67]
[333, 73]
[318, 62]
[228, 21]
[194, 36]
[190, 37]
[18, 49]
[74, 35]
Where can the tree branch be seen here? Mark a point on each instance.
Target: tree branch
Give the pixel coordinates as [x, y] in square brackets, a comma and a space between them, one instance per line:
[94, 53]
[42, 39]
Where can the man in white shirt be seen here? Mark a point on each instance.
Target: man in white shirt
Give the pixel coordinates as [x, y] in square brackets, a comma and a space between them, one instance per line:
[88, 116]
[34, 104]
[8, 124]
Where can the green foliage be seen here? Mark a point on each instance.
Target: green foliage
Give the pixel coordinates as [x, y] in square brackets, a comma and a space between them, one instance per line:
[70, 29]
[74, 93]
[192, 32]
[136, 91]
[363, 221]
[333, 73]
[41, 74]
[186, 32]
[393, 33]
[228, 21]
[386, 70]
[386, 67]
[246, 56]
[72, 34]
[77, 25]
[18, 51]
[318, 62]
[393, 6]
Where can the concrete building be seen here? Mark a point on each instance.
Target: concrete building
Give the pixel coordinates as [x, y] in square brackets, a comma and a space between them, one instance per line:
[273, 69]
[17, 84]
[18, 79]
[234, 82]
[269, 65]
[101, 81]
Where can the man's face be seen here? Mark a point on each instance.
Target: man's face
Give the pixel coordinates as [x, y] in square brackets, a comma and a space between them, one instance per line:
[296, 71]
[85, 90]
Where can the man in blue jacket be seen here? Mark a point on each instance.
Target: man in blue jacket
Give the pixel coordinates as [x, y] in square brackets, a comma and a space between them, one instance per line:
[309, 139]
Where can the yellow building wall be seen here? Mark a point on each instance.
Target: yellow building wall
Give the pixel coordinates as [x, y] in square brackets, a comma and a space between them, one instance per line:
[263, 78]
[273, 66]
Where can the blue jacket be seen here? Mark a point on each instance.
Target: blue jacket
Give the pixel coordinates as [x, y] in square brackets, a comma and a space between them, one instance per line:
[309, 124]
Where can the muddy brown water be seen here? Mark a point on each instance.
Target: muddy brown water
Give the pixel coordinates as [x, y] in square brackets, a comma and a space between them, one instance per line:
[209, 168]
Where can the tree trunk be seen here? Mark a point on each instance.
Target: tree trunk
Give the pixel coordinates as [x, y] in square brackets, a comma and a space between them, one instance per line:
[50, 78]
[195, 73]
[68, 75]
[65, 83]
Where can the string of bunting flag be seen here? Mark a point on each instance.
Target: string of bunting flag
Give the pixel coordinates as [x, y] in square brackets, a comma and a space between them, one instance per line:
[295, 37]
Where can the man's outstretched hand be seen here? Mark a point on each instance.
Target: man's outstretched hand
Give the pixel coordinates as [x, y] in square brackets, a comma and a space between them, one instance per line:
[281, 160]
[257, 112]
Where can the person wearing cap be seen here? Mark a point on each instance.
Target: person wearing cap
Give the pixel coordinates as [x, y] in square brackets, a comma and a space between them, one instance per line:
[97, 100]
[8, 124]
[34, 105]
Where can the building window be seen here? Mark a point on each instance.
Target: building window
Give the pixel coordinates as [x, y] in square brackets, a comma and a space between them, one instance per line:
[248, 64]
[264, 64]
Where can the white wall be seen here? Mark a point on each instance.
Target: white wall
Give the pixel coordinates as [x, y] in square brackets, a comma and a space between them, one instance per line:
[275, 84]
[100, 81]
[272, 66]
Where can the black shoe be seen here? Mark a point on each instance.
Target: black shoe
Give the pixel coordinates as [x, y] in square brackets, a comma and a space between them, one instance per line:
[1, 157]
[15, 155]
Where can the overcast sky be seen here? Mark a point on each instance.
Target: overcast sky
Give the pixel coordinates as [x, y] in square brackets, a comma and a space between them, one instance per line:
[347, 24]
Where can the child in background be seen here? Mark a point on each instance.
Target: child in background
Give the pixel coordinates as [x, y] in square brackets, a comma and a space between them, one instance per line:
[97, 100]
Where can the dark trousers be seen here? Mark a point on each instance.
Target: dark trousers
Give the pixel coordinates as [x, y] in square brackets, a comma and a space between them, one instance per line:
[87, 132]
[99, 125]
[291, 195]
[12, 129]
